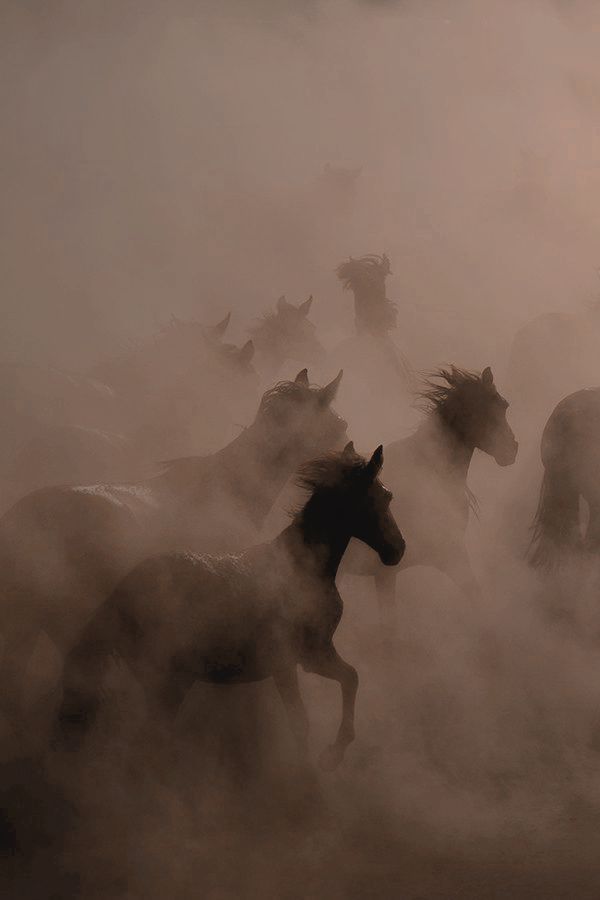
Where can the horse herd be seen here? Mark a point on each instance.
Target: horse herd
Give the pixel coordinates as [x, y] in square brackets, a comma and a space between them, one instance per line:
[164, 573]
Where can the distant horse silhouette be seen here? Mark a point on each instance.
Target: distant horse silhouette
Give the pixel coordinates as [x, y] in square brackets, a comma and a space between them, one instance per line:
[186, 374]
[180, 617]
[570, 451]
[286, 334]
[570, 340]
[54, 422]
[378, 376]
[62, 549]
[373, 313]
[428, 474]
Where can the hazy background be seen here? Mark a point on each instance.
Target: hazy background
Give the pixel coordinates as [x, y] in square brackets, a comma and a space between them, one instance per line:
[162, 158]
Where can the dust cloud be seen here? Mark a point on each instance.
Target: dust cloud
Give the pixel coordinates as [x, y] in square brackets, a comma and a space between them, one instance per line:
[164, 165]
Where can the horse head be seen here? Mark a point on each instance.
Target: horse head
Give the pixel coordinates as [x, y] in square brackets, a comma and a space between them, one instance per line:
[288, 333]
[471, 406]
[348, 492]
[299, 417]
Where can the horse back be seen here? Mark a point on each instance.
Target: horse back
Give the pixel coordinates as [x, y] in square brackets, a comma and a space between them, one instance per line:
[61, 549]
[210, 617]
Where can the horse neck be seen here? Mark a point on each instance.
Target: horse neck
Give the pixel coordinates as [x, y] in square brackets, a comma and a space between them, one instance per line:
[317, 540]
[269, 344]
[254, 469]
[368, 299]
[444, 447]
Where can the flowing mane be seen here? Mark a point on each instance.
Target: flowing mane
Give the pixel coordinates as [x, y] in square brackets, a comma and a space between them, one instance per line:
[365, 277]
[371, 270]
[435, 396]
[328, 471]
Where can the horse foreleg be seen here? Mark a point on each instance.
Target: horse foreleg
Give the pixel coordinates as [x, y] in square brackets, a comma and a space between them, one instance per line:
[329, 664]
[286, 682]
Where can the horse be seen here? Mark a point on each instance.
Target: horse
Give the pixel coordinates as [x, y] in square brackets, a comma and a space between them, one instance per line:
[62, 549]
[373, 313]
[570, 340]
[55, 423]
[427, 473]
[186, 374]
[178, 618]
[286, 334]
[377, 372]
[569, 453]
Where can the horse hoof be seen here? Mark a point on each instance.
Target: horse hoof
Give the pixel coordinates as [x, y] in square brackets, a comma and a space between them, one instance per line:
[330, 758]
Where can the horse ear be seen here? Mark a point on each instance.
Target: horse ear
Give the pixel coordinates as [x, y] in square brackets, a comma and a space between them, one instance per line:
[302, 378]
[349, 449]
[486, 377]
[327, 393]
[246, 353]
[375, 463]
[221, 327]
[304, 308]
[281, 303]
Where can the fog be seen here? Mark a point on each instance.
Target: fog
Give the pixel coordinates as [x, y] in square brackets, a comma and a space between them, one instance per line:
[163, 165]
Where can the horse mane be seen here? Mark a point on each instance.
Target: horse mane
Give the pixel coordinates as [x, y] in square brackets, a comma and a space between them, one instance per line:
[265, 324]
[434, 395]
[328, 471]
[371, 268]
[288, 389]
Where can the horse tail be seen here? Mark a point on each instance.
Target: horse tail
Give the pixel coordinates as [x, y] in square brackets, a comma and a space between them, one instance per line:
[555, 530]
[111, 634]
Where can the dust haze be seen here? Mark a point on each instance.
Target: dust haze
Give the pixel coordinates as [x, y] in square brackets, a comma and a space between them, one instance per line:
[169, 173]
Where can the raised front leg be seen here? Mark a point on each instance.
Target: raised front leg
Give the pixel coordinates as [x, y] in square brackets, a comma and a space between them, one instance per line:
[329, 664]
[286, 682]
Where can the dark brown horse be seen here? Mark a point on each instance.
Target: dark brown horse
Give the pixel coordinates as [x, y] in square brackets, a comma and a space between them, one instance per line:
[179, 618]
[62, 549]
[570, 451]
[428, 474]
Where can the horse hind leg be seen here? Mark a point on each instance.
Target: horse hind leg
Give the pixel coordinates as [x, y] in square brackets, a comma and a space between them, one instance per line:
[286, 682]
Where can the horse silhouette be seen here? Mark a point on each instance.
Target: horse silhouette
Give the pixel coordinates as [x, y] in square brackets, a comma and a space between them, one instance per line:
[62, 549]
[286, 334]
[569, 452]
[179, 618]
[570, 340]
[427, 473]
[373, 313]
[185, 375]
[378, 376]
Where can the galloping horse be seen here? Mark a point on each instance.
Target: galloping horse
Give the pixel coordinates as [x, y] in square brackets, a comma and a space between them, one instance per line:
[179, 618]
[373, 313]
[377, 373]
[62, 549]
[428, 474]
[286, 334]
[570, 340]
[570, 456]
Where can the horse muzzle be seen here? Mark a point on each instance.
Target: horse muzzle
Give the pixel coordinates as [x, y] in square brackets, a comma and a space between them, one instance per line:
[392, 554]
[508, 456]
